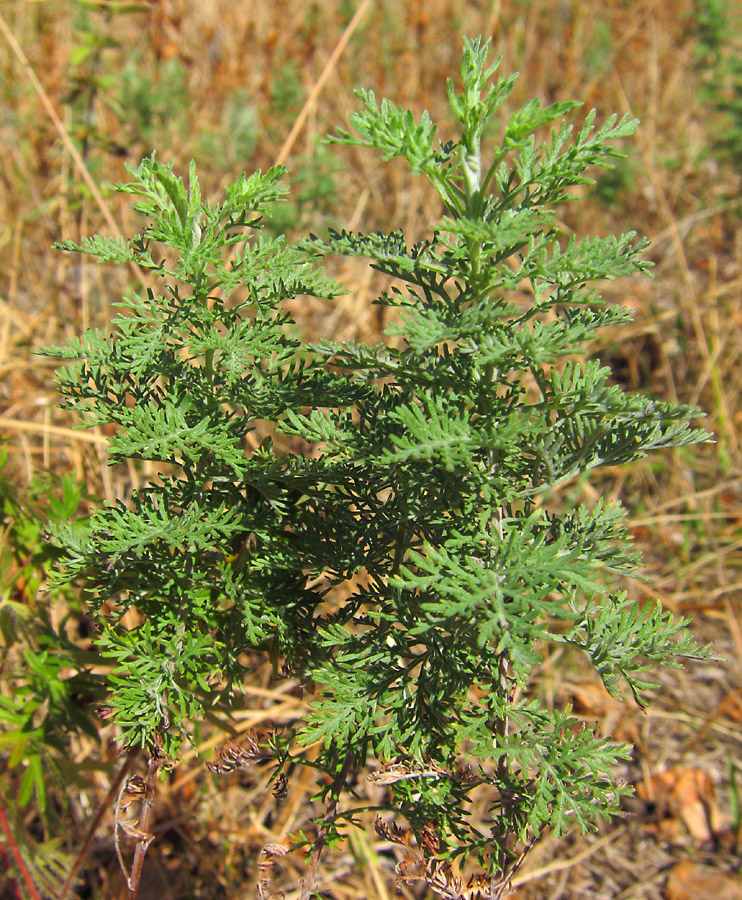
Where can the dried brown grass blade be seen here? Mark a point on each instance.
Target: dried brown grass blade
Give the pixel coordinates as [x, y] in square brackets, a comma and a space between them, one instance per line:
[320, 83]
[62, 132]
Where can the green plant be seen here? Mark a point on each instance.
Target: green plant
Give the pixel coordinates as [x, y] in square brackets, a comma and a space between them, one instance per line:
[91, 82]
[150, 102]
[287, 91]
[42, 673]
[314, 190]
[718, 27]
[46, 692]
[403, 564]
[237, 138]
[611, 187]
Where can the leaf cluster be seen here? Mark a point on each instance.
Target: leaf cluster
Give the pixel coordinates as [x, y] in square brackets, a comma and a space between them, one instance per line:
[186, 376]
[405, 562]
[46, 689]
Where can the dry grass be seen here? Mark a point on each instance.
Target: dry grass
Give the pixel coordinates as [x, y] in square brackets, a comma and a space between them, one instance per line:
[295, 63]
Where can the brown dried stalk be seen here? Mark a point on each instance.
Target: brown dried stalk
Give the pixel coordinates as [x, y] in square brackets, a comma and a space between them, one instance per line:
[16, 853]
[112, 791]
[144, 791]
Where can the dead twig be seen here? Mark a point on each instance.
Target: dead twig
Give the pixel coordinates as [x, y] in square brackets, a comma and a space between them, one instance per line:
[141, 790]
[112, 791]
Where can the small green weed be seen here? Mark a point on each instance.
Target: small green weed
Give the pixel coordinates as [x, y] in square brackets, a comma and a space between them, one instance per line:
[46, 693]
[43, 681]
[719, 55]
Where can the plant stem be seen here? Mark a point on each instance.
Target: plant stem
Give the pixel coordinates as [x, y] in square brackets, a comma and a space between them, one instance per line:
[154, 765]
[112, 791]
[19, 861]
[320, 840]
[400, 547]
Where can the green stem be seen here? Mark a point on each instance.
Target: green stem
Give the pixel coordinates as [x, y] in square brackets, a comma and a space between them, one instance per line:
[320, 842]
[209, 365]
[400, 546]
